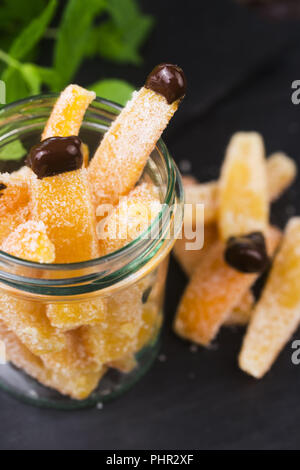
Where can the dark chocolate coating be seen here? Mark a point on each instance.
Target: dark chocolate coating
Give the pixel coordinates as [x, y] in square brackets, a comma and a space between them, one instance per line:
[247, 253]
[168, 80]
[55, 155]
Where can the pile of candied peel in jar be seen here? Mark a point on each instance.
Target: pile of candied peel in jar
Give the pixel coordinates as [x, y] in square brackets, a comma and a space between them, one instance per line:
[51, 213]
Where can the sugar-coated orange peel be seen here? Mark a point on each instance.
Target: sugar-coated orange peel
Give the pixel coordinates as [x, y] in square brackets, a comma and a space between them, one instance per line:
[243, 199]
[31, 242]
[214, 290]
[125, 148]
[281, 172]
[277, 314]
[77, 386]
[189, 260]
[68, 112]
[25, 318]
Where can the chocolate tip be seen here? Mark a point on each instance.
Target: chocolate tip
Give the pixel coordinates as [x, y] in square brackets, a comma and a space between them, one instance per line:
[55, 155]
[168, 80]
[247, 253]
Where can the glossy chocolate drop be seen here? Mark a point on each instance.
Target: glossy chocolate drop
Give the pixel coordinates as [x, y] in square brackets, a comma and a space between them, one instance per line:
[247, 253]
[167, 80]
[55, 155]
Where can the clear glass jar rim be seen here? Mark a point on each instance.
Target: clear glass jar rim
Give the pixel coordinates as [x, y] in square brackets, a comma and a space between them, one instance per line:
[173, 179]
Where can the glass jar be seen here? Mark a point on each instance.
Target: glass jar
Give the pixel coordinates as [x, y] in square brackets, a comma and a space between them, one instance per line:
[130, 284]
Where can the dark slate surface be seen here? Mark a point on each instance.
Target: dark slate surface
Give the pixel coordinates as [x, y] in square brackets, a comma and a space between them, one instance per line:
[240, 71]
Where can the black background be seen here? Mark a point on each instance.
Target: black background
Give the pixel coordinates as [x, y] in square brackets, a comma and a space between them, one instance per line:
[239, 69]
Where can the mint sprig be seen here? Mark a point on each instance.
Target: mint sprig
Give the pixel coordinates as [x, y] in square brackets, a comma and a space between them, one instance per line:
[32, 34]
[73, 34]
[22, 79]
[120, 38]
[115, 30]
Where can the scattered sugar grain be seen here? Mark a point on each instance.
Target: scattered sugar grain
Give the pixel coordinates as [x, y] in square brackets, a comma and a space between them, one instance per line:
[185, 166]
[162, 358]
[194, 348]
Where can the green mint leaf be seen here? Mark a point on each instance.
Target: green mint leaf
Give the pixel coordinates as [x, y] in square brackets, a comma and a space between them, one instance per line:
[48, 76]
[120, 38]
[15, 15]
[115, 90]
[73, 32]
[124, 13]
[16, 85]
[31, 35]
[22, 79]
[12, 151]
[32, 78]
[35, 75]
[111, 45]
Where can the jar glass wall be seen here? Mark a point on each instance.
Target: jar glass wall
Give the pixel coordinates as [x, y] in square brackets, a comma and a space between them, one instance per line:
[125, 288]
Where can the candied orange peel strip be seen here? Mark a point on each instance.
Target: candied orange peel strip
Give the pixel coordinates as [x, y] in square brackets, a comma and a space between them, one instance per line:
[14, 204]
[281, 172]
[70, 214]
[189, 259]
[29, 322]
[241, 314]
[117, 337]
[243, 199]
[63, 203]
[73, 359]
[214, 290]
[68, 112]
[25, 318]
[277, 314]
[69, 315]
[30, 241]
[123, 152]
[77, 386]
